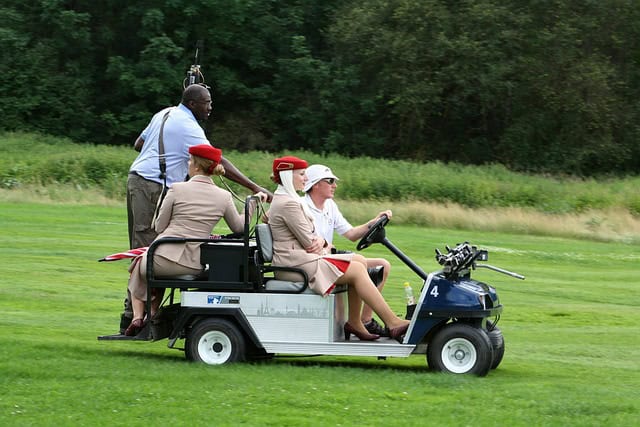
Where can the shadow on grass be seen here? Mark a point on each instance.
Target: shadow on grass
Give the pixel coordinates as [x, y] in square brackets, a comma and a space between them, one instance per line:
[368, 363]
[302, 361]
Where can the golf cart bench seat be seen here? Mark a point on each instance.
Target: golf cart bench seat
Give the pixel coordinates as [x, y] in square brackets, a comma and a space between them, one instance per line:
[264, 256]
[275, 285]
[223, 266]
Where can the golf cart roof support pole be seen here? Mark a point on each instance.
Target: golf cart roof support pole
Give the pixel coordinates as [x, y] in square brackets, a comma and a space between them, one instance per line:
[412, 265]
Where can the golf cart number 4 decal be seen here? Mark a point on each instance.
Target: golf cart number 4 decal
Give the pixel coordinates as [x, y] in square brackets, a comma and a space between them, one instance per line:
[434, 291]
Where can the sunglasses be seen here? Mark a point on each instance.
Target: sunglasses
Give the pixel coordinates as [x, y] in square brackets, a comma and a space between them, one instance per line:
[329, 181]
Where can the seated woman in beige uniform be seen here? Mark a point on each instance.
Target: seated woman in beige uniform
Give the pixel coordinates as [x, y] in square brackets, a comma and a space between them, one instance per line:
[295, 244]
[191, 209]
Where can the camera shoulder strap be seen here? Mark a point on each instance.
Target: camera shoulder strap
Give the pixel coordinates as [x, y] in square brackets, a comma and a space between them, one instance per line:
[163, 168]
[161, 156]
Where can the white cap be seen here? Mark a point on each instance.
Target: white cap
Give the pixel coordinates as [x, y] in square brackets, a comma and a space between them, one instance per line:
[316, 173]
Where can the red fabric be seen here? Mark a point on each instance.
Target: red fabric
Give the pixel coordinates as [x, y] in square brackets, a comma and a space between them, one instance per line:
[342, 265]
[287, 163]
[132, 253]
[206, 151]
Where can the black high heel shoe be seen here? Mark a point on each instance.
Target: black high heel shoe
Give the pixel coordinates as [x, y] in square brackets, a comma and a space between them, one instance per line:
[348, 330]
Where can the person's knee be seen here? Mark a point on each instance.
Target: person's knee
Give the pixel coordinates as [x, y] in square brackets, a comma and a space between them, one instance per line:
[356, 270]
[359, 259]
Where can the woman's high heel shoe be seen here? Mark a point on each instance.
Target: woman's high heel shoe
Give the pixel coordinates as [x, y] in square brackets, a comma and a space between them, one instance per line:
[362, 336]
[397, 333]
[134, 328]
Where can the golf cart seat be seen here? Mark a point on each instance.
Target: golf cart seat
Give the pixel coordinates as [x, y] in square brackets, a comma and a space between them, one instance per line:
[223, 266]
[264, 256]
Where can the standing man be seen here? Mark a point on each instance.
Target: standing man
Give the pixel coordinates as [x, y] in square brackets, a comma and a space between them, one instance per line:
[170, 132]
[320, 189]
[180, 130]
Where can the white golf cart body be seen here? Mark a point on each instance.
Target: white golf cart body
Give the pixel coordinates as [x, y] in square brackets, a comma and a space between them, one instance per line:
[237, 310]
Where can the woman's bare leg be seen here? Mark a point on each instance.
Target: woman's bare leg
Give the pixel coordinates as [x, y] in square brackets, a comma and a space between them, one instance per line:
[355, 308]
[367, 312]
[357, 277]
[138, 307]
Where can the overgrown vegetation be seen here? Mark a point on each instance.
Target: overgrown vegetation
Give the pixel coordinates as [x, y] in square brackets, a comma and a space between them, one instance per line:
[451, 196]
[43, 160]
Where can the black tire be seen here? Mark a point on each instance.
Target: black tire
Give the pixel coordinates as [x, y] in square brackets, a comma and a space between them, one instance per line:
[215, 342]
[497, 343]
[460, 349]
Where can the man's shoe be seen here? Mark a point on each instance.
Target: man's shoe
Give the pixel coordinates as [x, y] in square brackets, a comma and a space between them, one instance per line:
[374, 327]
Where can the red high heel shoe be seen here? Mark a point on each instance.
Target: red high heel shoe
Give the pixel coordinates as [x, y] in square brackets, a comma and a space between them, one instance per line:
[134, 328]
[398, 333]
[348, 330]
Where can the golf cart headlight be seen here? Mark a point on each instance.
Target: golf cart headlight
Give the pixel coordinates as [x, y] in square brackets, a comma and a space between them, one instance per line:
[482, 299]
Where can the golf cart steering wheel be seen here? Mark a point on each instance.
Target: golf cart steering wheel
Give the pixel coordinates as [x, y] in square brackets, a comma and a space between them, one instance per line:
[375, 234]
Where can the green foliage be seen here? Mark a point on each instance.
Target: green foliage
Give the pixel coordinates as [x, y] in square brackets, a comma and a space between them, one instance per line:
[44, 160]
[363, 178]
[550, 87]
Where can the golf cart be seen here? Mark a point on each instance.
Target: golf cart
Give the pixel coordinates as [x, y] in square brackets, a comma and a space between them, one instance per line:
[237, 310]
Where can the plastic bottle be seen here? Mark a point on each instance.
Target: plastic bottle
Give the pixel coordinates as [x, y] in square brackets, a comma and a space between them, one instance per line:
[408, 292]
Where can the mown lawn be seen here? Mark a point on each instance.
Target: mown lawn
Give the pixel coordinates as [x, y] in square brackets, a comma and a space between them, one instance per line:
[571, 331]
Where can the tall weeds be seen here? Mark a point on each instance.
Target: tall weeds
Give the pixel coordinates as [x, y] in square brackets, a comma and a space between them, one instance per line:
[42, 168]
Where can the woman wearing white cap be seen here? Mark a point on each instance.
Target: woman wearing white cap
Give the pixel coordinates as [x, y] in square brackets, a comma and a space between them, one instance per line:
[320, 190]
[295, 243]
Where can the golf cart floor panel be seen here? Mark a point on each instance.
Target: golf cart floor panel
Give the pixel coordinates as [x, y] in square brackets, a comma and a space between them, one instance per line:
[381, 347]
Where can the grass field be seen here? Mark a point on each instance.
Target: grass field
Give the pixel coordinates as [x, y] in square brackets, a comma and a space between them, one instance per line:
[571, 331]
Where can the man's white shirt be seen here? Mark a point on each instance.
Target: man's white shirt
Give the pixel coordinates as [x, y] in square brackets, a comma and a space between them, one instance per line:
[328, 220]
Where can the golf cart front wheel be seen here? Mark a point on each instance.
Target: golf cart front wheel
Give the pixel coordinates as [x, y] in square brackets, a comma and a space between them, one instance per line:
[215, 342]
[497, 343]
[460, 349]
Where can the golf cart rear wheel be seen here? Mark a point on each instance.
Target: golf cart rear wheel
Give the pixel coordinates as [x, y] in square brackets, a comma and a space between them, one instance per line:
[215, 342]
[460, 349]
[497, 343]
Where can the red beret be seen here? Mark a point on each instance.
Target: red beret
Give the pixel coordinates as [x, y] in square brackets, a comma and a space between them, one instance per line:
[206, 151]
[287, 163]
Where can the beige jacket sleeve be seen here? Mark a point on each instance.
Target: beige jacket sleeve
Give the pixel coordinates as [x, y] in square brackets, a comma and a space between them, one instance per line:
[299, 224]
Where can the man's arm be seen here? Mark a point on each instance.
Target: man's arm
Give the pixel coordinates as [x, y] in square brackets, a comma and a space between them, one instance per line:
[232, 172]
[359, 231]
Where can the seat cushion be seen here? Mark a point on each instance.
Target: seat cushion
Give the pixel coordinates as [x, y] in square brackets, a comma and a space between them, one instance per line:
[286, 286]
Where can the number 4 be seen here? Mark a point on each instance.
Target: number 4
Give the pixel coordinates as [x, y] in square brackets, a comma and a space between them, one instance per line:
[434, 292]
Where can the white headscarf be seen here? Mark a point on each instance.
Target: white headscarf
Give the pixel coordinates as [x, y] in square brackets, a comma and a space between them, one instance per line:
[287, 189]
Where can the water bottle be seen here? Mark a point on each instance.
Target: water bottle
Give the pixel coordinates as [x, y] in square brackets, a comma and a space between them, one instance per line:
[408, 293]
[411, 301]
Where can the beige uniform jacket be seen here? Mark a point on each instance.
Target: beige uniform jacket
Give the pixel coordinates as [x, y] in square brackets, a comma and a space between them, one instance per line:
[191, 209]
[292, 231]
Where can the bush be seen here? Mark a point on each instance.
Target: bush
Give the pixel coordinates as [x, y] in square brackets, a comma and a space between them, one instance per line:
[39, 159]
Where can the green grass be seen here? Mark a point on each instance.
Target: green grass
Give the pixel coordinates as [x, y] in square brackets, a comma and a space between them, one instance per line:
[571, 331]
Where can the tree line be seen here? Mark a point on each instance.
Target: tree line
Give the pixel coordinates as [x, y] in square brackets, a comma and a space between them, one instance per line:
[543, 86]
